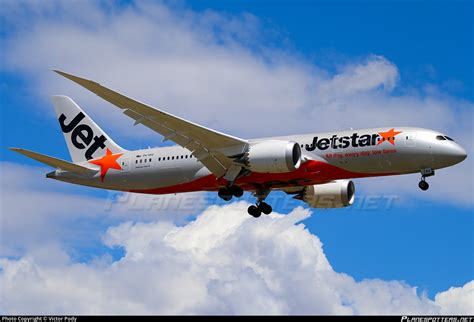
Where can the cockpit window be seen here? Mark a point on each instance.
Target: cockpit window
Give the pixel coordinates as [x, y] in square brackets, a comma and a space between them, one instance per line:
[440, 137]
[447, 137]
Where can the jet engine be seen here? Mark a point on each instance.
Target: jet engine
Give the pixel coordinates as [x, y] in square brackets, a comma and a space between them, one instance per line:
[274, 156]
[335, 194]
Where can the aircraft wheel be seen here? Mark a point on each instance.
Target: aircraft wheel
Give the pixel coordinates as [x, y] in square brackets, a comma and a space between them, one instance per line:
[224, 194]
[236, 191]
[265, 208]
[423, 185]
[254, 211]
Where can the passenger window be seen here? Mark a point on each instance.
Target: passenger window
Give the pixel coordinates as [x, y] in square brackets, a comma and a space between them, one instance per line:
[440, 137]
[168, 158]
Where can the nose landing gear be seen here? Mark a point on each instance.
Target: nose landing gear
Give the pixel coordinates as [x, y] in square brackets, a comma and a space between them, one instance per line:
[428, 172]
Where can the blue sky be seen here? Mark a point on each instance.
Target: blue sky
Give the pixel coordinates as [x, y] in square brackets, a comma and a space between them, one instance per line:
[427, 48]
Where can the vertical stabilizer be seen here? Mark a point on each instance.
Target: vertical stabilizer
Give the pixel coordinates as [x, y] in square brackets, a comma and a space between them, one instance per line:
[85, 139]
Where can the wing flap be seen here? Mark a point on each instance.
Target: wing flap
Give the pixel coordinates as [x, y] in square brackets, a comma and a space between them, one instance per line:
[54, 162]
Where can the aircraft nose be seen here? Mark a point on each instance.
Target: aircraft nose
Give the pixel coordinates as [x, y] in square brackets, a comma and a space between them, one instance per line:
[457, 153]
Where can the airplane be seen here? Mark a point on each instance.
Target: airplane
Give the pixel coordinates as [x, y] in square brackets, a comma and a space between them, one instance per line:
[315, 168]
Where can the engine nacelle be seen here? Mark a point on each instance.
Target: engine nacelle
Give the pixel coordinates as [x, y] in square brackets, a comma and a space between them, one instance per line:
[274, 156]
[336, 194]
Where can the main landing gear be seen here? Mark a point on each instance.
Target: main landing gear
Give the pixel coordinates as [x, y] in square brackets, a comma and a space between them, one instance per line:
[261, 206]
[428, 172]
[228, 192]
[257, 210]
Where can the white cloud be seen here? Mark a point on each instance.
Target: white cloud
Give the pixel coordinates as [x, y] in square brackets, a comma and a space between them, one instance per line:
[457, 300]
[224, 262]
[376, 72]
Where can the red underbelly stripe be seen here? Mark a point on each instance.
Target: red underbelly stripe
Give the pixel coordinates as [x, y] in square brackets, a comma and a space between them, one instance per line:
[311, 172]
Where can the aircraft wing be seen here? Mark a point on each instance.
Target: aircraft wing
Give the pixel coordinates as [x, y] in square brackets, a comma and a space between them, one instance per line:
[210, 147]
[54, 162]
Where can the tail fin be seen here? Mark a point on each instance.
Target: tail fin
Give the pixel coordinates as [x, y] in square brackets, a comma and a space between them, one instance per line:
[85, 139]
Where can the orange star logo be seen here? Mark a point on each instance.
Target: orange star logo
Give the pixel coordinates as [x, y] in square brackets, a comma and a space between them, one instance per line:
[108, 161]
[388, 136]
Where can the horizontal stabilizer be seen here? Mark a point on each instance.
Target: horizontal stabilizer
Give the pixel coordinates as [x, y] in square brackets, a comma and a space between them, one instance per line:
[54, 162]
